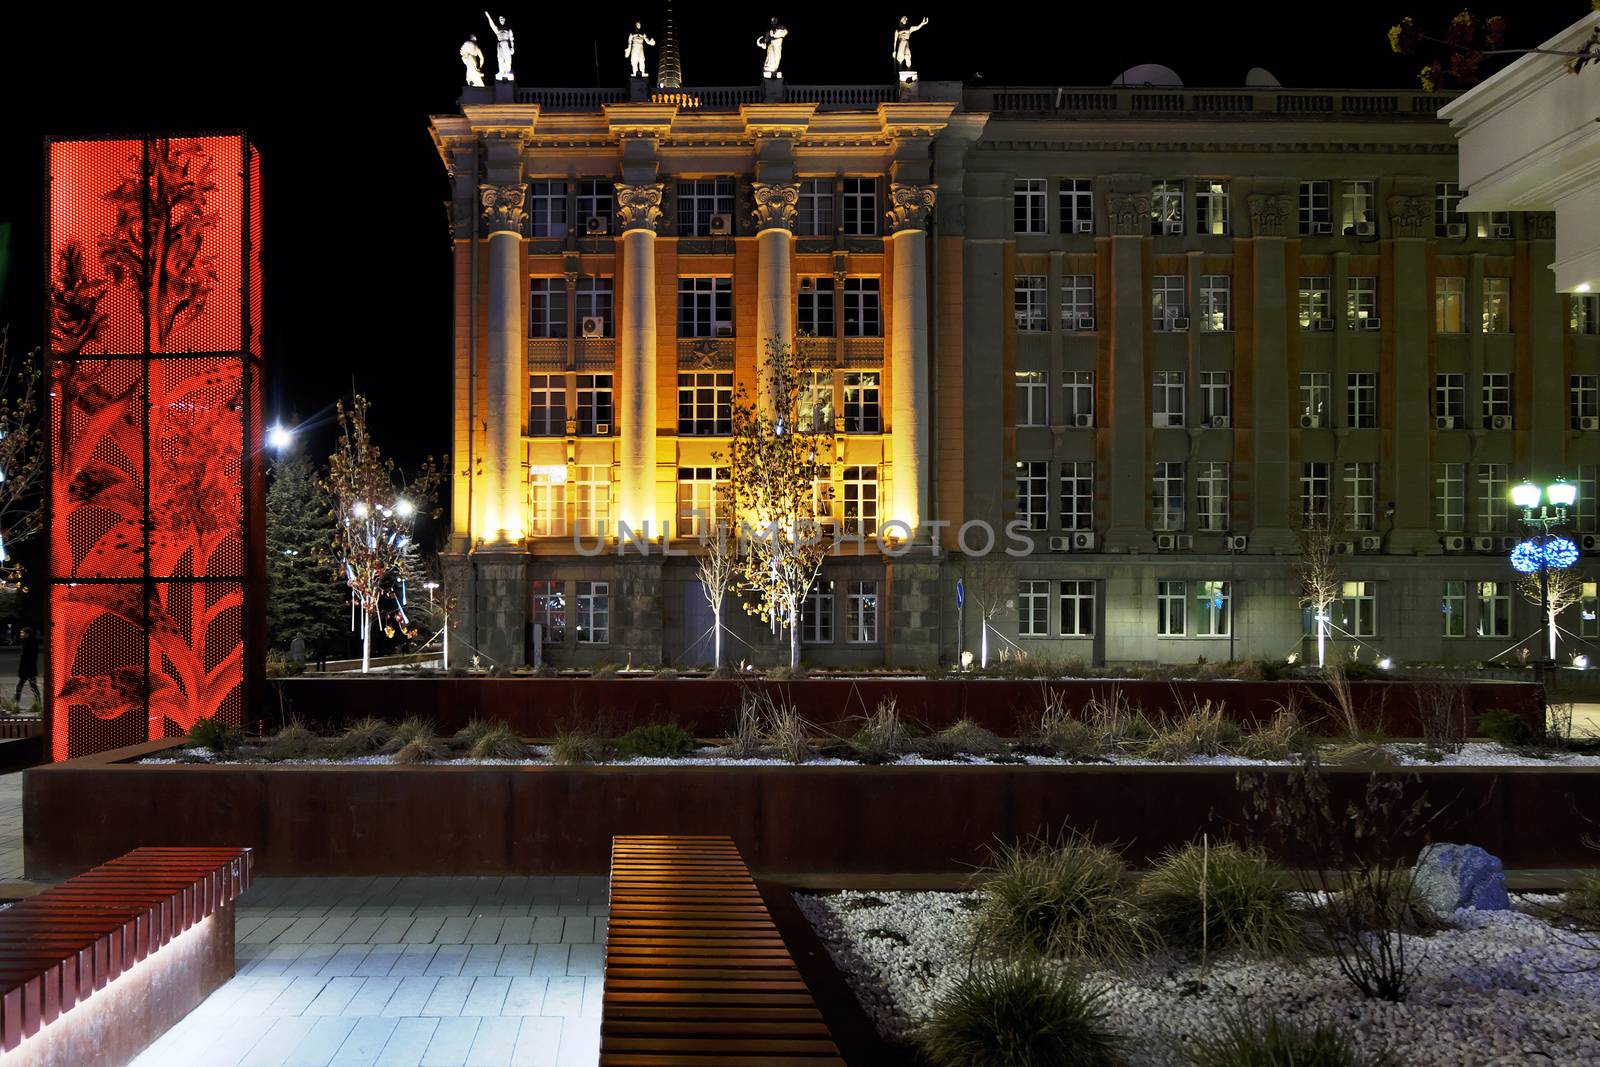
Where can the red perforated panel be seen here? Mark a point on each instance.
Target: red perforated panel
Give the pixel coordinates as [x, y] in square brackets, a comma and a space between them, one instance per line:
[154, 262]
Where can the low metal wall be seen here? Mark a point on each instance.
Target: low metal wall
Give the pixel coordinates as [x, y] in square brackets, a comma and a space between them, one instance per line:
[536, 707]
[387, 820]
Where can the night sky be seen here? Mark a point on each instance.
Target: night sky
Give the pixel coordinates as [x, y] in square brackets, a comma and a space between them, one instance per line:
[356, 247]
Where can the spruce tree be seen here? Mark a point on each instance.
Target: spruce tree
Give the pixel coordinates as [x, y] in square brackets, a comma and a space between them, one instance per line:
[304, 597]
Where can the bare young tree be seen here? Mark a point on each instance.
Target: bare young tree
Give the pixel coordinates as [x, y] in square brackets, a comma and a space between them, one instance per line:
[717, 568]
[375, 549]
[21, 452]
[775, 458]
[992, 592]
[1318, 538]
[1565, 590]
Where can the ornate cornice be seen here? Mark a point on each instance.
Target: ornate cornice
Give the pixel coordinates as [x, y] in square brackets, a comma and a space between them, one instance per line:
[1128, 214]
[776, 206]
[1270, 214]
[909, 206]
[1410, 216]
[503, 207]
[638, 206]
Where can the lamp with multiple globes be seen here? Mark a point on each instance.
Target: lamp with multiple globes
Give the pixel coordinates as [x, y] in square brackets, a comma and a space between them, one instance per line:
[1543, 510]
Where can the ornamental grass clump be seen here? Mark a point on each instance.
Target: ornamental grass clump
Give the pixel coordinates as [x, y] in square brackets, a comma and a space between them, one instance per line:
[964, 738]
[1023, 1015]
[661, 740]
[222, 738]
[1281, 738]
[406, 731]
[423, 746]
[745, 741]
[468, 735]
[883, 737]
[1582, 901]
[787, 734]
[363, 738]
[294, 741]
[498, 741]
[571, 747]
[1069, 899]
[1204, 730]
[1220, 898]
[1273, 1042]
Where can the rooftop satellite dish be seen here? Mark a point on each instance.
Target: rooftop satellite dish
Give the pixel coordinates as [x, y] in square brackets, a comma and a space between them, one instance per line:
[1261, 78]
[1148, 74]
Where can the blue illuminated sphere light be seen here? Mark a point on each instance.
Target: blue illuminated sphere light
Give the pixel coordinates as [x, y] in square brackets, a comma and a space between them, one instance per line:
[1558, 553]
[1526, 556]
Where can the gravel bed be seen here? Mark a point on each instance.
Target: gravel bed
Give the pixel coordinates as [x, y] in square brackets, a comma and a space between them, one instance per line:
[1496, 988]
[1476, 754]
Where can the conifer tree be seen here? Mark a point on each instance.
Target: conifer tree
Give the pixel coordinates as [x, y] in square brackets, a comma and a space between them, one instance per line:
[302, 601]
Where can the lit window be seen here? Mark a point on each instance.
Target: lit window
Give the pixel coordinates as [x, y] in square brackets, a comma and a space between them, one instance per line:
[1033, 392]
[862, 413]
[1494, 609]
[547, 502]
[1167, 302]
[1213, 608]
[1216, 303]
[594, 613]
[594, 501]
[1314, 399]
[1170, 598]
[816, 401]
[1166, 206]
[1316, 305]
[861, 501]
[1211, 207]
[705, 307]
[1497, 305]
[1028, 303]
[1358, 215]
[702, 500]
[1360, 602]
[550, 610]
[1360, 301]
[861, 619]
[705, 403]
[860, 207]
[1450, 305]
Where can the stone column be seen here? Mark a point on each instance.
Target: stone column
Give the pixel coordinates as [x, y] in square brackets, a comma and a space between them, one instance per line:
[1125, 396]
[638, 212]
[1411, 226]
[503, 216]
[909, 206]
[775, 211]
[1272, 214]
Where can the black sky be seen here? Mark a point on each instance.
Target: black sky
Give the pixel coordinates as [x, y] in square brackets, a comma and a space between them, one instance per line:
[358, 283]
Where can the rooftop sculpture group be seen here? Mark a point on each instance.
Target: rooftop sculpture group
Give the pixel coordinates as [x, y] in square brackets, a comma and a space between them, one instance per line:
[770, 43]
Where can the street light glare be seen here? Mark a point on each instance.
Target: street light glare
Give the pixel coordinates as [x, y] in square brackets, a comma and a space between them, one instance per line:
[405, 508]
[1525, 495]
[359, 509]
[279, 437]
[1562, 493]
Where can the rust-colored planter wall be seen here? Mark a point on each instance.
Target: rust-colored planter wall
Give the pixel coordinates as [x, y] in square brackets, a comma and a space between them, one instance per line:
[706, 707]
[356, 820]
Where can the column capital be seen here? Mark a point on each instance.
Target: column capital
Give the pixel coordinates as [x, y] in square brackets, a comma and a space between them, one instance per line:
[1410, 216]
[639, 206]
[1128, 213]
[777, 204]
[1270, 214]
[504, 207]
[909, 206]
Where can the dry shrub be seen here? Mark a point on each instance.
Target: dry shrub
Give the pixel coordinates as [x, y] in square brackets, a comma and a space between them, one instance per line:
[363, 738]
[424, 746]
[786, 733]
[745, 741]
[294, 741]
[883, 737]
[1442, 709]
[1204, 730]
[1220, 897]
[574, 746]
[1280, 738]
[498, 741]
[406, 731]
[963, 738]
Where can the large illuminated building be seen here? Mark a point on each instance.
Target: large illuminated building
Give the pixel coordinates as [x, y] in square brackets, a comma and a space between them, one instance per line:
[1156, 326]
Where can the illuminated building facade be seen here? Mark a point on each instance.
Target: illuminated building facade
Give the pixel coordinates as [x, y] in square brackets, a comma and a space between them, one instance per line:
[1139, 333]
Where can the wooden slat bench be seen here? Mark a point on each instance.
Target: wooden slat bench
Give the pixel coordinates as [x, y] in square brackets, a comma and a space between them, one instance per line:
[696, 972]
[61, 948]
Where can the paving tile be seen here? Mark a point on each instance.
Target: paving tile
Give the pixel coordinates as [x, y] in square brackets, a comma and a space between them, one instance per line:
[494, 1042]
[361, 930]
[516, 960]
[586, 960]
[372, 997]
[551, 959]
[538, 1043]
[273, 1048]
[546, 930]
[297, 998]
[380, 960]
[580, 1043]
[448, 996]
[331, 928]
[274, 961]
[487, 996]
[483, 959]
[365, 1042]
[452, 1040]
[447, 959]
[262, 991]
[564, 997]
[270, 929]
[219, 1002]
[414, 959]
[345, 962]
[578, 929]
[311, 960]
[393, 927]
[516, 930]
[320, 1044]
[593, 997]
[525, 996]
[334, 996]
[410, 996]
[407, 1043]
[484, 931]
[454, 930]
[423, 930]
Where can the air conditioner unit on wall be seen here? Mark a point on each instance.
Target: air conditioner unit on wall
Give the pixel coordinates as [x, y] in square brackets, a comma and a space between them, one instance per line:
[1372, 544]
[1165, 542]
[1220, 422]
[1184, 542]
[721, 225]
[1454, 543]
[1501, 230]
[1344, 548]
[1484, 544]
[1322, 324]
[594, 326]
[1238, 542]
[1179, 325]
[1374, 324]
[1083, 541]
[1508, 543]
[1172, 226]
[602, 429]
[1500, 422]
[1445, 422]
[1588, 422]
[1086, 323]
[1060, 544]
[1085, 226]
[596, 225]
[1310, 422]
[1083, 420]
[1456, 229]
[1589, 542]
[1364, 229]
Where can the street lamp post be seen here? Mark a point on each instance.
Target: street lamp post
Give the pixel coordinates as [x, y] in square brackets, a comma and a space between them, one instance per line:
[1543, 510]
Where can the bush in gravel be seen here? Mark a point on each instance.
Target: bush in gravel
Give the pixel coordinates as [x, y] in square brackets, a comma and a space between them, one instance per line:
[574, 746]
[405, 731]
[468, 735]
[963, 738]
[1506, 727]
[498, 741]
[363, 737]
[745, 741]
[1582, 901]
[1371, 754]
[223, 738]
[1020, 1016]
[786, 733]
[883, 737]
[1221, 897]
[1273, 1042]
[1205, 730]
[294, 741]
[1067, 899]
[662, 740]
[422, 746]
[1279, 739]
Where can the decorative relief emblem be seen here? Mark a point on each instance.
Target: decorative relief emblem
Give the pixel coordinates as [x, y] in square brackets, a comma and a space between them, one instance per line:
[1270, 214]
[1128, 213]
[638, 206]
[909, 206]
[776, 205]
[1541, 225]
[503, 207]
[1411, 216]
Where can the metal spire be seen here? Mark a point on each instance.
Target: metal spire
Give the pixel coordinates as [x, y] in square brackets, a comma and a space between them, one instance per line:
[669, 68]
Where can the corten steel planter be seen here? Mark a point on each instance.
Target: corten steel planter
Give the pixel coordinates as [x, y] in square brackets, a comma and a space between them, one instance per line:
[536, 707]
[380, 819]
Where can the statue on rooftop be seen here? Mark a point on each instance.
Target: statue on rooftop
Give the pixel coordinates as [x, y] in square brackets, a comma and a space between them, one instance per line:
[902, 41]
[505, 47]
[635, 51]
[472, 58]
[772, 43]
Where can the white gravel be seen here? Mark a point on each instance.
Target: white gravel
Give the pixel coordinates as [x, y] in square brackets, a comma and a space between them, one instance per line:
[1499, 988]
[1476, 754]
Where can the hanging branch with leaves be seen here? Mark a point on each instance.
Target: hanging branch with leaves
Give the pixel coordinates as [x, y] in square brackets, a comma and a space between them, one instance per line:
[375, 513]
[1455, 55]
[22, 461]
